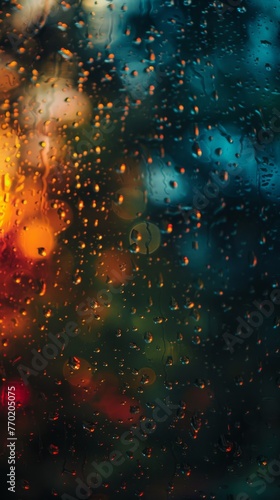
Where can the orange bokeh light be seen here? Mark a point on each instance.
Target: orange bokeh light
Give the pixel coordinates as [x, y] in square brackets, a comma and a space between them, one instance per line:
[35, 239]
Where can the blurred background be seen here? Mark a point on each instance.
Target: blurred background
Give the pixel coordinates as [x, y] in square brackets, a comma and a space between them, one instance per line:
[139, 228]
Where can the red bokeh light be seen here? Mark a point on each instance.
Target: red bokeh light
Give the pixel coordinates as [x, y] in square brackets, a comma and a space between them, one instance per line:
[16, 387]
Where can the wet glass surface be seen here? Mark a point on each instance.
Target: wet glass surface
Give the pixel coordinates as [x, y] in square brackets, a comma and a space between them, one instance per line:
[139, 249]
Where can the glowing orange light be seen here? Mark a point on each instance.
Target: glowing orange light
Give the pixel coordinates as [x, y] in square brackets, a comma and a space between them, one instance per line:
[35, 239]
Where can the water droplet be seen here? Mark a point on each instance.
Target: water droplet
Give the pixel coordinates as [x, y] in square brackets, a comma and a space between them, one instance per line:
[148, 337]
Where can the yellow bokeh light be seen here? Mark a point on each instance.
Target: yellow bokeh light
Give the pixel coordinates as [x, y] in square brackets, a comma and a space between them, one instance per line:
[147, 236]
